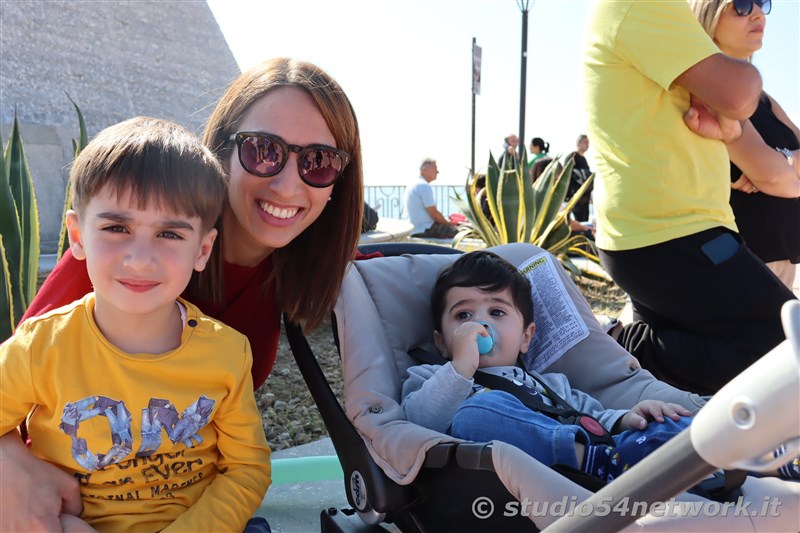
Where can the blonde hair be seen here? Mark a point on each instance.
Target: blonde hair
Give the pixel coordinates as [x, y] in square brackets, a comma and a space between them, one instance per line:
[308, 271]
[708, 13]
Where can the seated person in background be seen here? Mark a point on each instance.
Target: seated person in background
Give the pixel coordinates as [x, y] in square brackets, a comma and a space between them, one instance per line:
[482, 295]
[481, 196]
[370, 220]
[421, 209]
[132, 363]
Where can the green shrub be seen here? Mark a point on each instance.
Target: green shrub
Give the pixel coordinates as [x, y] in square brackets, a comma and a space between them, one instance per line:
[522, 211]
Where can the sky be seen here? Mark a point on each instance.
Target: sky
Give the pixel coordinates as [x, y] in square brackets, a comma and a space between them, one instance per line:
[407, 68]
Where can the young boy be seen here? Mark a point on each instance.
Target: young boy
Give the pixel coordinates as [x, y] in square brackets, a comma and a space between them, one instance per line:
[481, 294]
[131, 389]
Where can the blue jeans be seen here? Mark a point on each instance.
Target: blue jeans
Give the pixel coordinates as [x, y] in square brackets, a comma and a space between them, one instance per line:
[498, 415]
[257, 525]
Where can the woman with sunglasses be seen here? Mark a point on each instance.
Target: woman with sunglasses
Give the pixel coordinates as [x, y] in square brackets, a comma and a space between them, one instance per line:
[289, 140]
[765, 189]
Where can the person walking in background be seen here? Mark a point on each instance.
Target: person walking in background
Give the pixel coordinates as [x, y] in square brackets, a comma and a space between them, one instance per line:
[662, 103]
[580, 173]
[421, 209]
[765, 188]
[539, 148]
[510, 144]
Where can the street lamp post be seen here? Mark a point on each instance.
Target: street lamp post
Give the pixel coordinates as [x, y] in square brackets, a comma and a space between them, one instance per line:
[524, 7]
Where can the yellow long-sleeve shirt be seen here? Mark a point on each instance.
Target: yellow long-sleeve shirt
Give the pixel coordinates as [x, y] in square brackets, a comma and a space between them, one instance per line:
[170, 441]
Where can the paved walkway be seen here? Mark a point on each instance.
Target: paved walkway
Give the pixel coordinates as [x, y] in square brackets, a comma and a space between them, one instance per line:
[295, 507]
[388, 230]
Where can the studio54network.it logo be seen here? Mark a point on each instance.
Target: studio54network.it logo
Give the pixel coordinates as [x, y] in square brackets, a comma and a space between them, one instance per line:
[483, 508]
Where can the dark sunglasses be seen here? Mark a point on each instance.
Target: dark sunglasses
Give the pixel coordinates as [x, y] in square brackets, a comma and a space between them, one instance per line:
[264, 155]
[745, 7]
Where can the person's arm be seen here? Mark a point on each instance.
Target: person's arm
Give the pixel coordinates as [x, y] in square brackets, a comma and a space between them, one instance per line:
[68, 282]
[244, 465]
[783, 117]
[33, 492]
[765, 167]
[432, 394]
[638, 417]
[729, 86]
[436, 215]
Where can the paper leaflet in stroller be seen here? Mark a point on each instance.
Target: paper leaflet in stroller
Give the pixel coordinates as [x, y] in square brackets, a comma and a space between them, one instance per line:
[422, 480]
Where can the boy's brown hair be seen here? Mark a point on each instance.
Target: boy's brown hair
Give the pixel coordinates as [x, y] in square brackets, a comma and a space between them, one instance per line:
[160, 164]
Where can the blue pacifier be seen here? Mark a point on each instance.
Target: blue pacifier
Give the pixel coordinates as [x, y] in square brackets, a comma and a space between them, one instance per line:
[486, 344]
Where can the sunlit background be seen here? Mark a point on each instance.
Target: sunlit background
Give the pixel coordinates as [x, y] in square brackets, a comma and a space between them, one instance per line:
[407, 67]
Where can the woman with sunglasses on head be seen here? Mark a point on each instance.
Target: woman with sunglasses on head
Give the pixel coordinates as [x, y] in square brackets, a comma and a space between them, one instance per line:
[765, 161]
[288, 138]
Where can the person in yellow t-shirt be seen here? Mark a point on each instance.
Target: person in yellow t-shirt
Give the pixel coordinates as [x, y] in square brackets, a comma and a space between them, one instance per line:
[662, 102]
[147, 402]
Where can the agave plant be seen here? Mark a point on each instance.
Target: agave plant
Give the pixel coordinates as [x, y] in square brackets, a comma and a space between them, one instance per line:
[19, 228]
[526, 212]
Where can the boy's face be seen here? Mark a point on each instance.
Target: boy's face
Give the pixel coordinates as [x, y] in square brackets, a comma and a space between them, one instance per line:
[471, 304]
[139, 260]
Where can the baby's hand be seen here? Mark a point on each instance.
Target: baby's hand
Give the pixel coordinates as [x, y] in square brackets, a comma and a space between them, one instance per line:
[465, 348]
[656, 410]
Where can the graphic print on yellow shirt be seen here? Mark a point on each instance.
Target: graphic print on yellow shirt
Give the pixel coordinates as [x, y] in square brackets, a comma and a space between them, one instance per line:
[160, 414]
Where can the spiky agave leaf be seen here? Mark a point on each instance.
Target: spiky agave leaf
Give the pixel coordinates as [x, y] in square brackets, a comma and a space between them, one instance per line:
[21, 185]
[7, 321]
[77, 146]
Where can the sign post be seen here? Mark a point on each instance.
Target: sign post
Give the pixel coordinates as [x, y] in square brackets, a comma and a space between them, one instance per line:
[476, 89]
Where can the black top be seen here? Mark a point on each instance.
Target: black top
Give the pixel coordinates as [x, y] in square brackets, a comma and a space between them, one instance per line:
[768, 224]
[580, 173]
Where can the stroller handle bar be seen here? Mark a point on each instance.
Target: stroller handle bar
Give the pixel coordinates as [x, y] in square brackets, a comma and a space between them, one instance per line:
[736, 429]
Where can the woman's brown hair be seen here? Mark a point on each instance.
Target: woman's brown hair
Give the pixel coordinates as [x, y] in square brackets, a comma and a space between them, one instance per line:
[308, 271]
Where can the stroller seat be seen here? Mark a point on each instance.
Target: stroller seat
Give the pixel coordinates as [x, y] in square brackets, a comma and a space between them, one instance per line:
[422, 480]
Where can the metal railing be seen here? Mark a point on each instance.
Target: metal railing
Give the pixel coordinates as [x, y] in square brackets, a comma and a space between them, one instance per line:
[387, 200]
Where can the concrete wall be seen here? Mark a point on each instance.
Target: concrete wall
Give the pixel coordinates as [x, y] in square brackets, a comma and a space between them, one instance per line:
[116, 59]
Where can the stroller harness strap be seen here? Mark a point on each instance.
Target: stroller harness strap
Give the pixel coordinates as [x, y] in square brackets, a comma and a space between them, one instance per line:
[561, 411]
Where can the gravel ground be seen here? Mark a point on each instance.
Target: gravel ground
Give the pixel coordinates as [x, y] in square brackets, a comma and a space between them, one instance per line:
[288, 412]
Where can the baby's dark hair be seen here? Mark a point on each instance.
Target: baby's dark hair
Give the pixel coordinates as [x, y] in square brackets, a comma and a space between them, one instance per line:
[487, 271]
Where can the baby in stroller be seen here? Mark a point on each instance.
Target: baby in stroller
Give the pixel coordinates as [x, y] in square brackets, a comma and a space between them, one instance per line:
[483, 315]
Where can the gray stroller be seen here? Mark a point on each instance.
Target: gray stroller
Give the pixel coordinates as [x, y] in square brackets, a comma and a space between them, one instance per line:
[402, 476]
